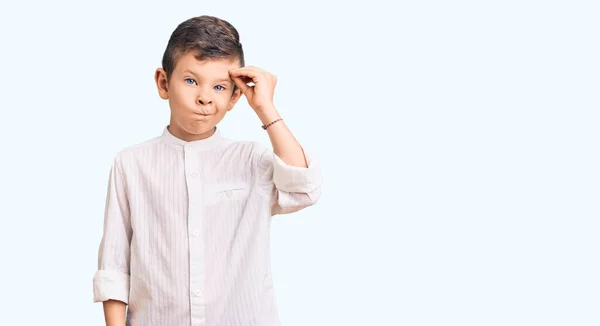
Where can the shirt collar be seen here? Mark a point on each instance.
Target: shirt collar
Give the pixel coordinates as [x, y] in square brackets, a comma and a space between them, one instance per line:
[214, 140]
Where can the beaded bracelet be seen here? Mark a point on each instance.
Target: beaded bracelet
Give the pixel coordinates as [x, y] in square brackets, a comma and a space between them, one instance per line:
[272, 122]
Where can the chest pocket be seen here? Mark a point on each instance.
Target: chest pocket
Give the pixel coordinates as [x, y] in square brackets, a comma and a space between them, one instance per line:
[225, 194]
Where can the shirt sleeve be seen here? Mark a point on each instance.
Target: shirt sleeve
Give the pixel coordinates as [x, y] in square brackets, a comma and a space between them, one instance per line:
[291, 188]
[111, 280]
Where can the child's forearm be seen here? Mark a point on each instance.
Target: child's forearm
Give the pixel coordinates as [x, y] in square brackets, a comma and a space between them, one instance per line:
[114, 312]
[284, 143]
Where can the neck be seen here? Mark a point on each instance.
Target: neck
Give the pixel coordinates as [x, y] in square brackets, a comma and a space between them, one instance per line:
[184, 135]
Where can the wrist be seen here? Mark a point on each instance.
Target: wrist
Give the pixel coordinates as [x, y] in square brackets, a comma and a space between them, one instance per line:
[268, 115]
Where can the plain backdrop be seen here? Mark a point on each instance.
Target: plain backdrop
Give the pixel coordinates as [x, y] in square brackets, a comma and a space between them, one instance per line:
[458, 142]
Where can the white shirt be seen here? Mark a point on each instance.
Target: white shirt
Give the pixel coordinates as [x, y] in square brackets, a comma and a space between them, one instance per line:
[186, 230]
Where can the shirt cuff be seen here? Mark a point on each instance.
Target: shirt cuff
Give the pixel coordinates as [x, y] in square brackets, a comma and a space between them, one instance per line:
[111, 285]
[297, 179]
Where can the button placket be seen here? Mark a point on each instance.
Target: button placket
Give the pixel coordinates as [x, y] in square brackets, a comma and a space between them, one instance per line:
[195, 238]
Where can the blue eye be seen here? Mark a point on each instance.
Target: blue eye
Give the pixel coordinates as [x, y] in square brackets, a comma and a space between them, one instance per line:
[222, 88]
[188, 79]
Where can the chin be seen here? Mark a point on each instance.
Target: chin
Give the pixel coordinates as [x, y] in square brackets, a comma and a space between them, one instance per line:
[198, 127]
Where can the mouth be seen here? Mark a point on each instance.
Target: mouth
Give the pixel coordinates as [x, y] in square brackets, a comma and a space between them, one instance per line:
[202, 114]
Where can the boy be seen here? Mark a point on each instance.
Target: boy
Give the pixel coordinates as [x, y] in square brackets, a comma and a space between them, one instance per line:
[187, 220]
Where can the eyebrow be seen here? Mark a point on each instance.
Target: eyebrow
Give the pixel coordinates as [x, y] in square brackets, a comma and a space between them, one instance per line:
[226, 80]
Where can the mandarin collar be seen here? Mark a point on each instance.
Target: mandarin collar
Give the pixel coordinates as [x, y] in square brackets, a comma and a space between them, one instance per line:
[214, 140]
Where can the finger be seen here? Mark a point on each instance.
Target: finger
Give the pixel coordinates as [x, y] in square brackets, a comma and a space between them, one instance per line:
[251, 72]
[246, 80]
[240, 83]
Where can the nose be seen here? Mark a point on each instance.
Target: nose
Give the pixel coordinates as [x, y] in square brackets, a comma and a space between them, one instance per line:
[203, 99]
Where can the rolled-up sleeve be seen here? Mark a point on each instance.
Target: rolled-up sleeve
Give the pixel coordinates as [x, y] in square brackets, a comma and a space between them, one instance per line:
[292, 188]
[111, 280]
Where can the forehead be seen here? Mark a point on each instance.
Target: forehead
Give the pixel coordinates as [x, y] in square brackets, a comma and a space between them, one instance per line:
[208, 68]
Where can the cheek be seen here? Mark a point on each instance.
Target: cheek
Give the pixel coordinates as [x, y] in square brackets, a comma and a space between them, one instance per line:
[223, 102]
[180, 100]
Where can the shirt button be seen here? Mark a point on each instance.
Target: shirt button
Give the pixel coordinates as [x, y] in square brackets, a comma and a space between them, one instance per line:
[193, 175]
[228, 193]
[195, 233]
[190, 147]
[197, 293]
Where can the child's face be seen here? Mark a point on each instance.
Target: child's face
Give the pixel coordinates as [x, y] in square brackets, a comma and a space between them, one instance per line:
[199, 94]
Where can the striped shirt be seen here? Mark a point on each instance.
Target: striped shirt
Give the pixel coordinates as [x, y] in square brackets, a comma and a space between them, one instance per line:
[186, 230]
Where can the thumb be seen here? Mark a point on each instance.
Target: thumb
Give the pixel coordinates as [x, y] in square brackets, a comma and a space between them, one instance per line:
[240, 84]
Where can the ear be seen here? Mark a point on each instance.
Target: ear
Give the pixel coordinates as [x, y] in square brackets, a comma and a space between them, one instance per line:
[237, 94]
[162, 84]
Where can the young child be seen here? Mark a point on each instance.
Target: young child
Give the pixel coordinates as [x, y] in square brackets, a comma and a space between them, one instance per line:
[188, 213]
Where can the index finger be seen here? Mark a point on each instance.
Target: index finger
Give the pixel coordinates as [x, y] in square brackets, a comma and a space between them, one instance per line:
[251, 72]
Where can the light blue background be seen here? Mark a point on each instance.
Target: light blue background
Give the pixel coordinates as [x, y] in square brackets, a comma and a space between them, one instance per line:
[459, 144]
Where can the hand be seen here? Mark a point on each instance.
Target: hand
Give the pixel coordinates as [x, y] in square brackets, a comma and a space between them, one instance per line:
[259, 96]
